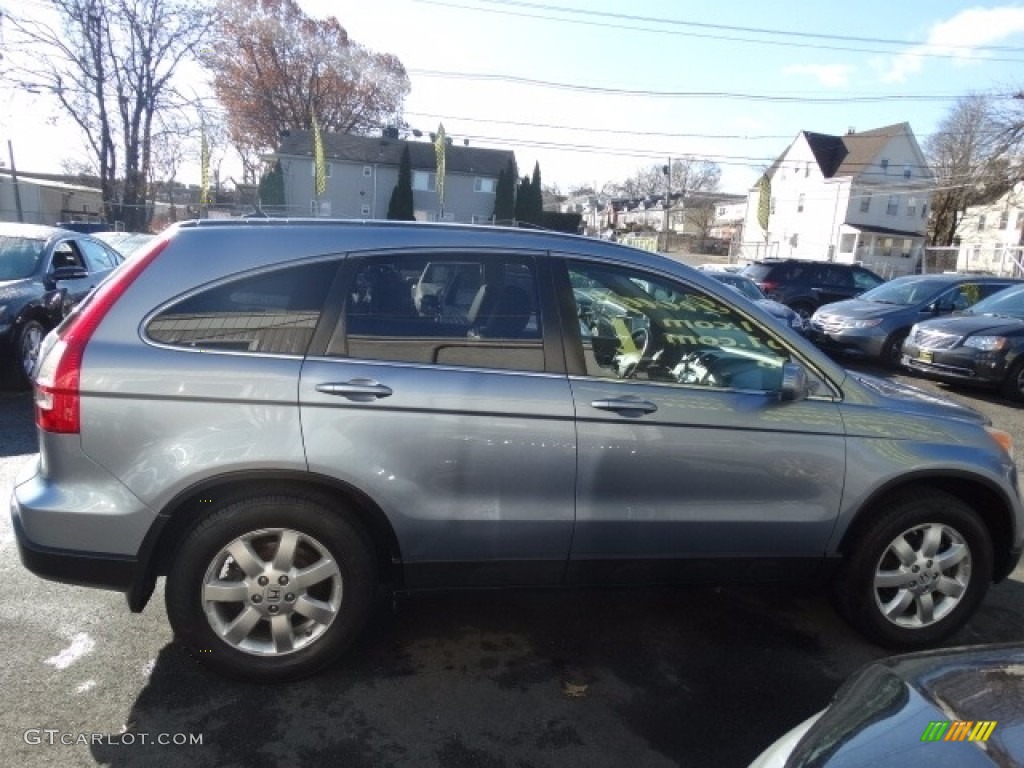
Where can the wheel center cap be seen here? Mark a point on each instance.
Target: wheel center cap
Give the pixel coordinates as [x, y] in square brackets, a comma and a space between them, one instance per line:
[273, 594]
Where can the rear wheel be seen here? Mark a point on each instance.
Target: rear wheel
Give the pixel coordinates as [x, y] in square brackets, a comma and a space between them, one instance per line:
[918, 572]
[270, 588]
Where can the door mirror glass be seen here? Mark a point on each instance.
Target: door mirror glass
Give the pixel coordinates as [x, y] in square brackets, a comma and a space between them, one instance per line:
[795, 384]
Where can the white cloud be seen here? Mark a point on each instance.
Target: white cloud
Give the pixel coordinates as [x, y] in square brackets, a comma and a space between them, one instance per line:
[829, 75]
[957, 37]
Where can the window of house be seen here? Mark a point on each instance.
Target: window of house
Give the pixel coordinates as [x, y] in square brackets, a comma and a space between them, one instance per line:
[911, 206]
[327, 170]
[464, 310]
[1020, 220]
[424, 181]
[907, 246]
[800, 203]
[772, 207]
[639, 326]
[271, 312]
[893, 206]
[906, 171]
[847, 242]
[924, 210]
[807, 170]
[865, 202]
[484, 185]
[982, 221]
[365, 210]
[367, 170]
[885, 165]
[887, 244]
[1004, 219]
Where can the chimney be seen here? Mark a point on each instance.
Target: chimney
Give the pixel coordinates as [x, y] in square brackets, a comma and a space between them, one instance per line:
[850, 131]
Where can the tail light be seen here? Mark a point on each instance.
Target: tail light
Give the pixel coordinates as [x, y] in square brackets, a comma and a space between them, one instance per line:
[57, 395]
[768, 286]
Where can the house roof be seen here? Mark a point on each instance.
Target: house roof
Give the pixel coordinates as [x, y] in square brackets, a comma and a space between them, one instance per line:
[384, 151]
[850, 154]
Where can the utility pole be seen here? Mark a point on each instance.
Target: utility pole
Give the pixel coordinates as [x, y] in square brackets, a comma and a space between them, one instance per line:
[667, 170]
[14, 181]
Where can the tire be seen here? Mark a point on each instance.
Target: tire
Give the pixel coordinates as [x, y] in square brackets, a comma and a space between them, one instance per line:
[1013, 385]
[932, 526]
[240, 610]
[892, 350]
[803, 309]
[28, 338]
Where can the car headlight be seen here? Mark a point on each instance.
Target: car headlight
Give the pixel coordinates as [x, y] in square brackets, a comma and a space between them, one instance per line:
[986, 343]
[869, 323]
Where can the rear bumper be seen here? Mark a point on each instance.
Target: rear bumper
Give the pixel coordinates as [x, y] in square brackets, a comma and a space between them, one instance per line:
[104, 571]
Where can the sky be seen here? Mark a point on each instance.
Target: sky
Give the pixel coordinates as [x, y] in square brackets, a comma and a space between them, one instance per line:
[595, 89]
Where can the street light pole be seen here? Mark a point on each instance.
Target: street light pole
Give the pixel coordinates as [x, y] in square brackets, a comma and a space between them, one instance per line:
[667, 170]
[14, 181]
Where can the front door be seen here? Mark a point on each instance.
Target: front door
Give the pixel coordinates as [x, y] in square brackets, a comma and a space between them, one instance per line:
[689, 465]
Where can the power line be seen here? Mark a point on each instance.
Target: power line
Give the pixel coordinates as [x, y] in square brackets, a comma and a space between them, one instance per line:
[730, 95]
[780, 43]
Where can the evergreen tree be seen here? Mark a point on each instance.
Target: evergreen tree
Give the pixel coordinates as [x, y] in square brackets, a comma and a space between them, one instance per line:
[505, 193]
[271, 188]
[522, 207]
[400, 208]
[536, 197]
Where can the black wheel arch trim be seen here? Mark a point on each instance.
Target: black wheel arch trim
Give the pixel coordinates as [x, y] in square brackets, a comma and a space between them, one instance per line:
[160, 542]
[987, 498]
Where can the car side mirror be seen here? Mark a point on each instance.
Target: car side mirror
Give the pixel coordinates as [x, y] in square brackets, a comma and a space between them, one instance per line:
[794, 386]
[68, 273]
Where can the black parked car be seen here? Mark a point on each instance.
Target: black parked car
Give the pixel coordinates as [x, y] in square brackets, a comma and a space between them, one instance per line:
[983, 345]
[44, 271]
[806, 285]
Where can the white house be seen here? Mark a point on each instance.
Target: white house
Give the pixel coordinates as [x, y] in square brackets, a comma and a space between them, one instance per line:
[991, 237]
[860, 197]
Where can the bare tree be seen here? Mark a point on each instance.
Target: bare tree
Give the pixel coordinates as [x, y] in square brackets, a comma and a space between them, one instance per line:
[691, 174]
[110, 64]
[969, 155]
[703, 214]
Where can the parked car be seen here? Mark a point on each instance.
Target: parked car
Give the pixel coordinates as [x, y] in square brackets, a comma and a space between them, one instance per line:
[959, 707]
[749, 288]
[876, 323]
[125, 243]
[44, 271]
[983, 345]
[259, 412]
[806, 285]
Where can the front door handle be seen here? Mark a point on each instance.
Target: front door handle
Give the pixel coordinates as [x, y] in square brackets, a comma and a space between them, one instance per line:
[627, 404]
[360, 390]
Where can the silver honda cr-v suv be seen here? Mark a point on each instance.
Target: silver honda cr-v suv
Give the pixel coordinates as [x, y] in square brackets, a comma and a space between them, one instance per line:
[281, 417]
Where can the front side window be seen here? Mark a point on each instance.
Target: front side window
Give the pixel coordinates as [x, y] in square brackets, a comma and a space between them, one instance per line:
[272, 312]
[638, 326]
[458, 310]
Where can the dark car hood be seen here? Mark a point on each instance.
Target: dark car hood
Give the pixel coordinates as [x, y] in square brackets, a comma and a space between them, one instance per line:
[775, 309]
[884, 710]
[860, 309]
[968, 325]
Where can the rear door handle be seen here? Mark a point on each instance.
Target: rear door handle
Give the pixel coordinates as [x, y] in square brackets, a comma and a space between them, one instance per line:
[620, 404]
[360, 390]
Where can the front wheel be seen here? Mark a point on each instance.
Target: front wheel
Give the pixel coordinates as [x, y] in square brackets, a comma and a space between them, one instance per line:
[918, 573]
[28, 339]
[892, 350]
[270, 588]
[1013, 384]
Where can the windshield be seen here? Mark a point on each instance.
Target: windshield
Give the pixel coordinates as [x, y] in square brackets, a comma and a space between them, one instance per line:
[1009, 302]
[906, 291]
[19, 257]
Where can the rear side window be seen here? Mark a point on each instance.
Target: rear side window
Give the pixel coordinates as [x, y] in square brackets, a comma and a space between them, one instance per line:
[272, 312]
[477, 311]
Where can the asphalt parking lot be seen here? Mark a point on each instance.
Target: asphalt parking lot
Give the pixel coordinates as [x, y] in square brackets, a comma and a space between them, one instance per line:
[698, 677]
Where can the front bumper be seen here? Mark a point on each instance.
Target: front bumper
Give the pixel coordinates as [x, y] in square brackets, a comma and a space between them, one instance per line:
[866, 341]
[961, 364]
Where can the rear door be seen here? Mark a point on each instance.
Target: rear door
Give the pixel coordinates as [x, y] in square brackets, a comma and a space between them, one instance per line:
[457, 425]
